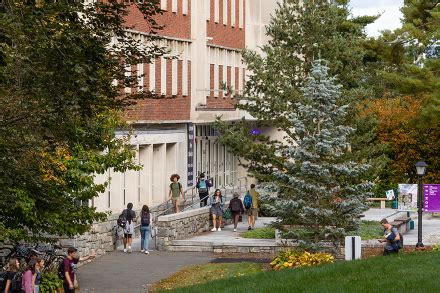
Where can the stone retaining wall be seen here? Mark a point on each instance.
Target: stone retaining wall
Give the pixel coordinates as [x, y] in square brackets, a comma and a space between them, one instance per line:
[183, 225]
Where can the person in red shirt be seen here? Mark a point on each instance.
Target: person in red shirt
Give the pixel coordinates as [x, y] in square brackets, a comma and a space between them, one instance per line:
[70, 263]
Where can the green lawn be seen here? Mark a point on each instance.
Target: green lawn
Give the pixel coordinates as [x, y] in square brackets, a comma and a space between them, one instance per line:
[411, 272]
[206, 273]
[369, 230]
[260, 233]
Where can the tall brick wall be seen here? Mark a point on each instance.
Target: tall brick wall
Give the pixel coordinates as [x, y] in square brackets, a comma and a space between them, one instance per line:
[169, 107]
[226, 35]
[175, 24]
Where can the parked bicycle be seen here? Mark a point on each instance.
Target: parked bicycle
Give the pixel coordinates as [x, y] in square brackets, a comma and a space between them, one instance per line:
[24, 254]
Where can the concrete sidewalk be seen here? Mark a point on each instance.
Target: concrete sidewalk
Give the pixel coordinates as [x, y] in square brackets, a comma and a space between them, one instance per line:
[119, 272]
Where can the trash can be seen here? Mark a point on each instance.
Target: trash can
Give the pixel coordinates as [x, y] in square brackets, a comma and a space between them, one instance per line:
[394, 204]
[411, 225]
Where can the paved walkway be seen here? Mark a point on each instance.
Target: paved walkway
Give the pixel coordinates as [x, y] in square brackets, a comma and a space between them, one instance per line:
[119, 272]
[431, 226]
[135, 272]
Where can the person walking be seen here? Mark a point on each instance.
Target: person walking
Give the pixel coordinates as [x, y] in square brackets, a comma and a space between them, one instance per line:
[130, 216]
[69, 268]
[217, 203]
[176, 191]
[28, 278]
[11, 271]
[391, 237]
[237, 208]
[253, 211]
[203, 186]
[145, 229]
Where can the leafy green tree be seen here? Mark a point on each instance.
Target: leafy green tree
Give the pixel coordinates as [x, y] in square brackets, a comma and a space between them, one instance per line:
[407, 77]
[59, 108]
[320, 194]
[300, 32]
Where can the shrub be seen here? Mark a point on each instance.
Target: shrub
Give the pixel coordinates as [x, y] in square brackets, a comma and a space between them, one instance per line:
[295, 259]
[50, 282]
[436, 247]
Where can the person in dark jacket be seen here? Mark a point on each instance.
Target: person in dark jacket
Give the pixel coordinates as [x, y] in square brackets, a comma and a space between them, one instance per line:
[237, 208]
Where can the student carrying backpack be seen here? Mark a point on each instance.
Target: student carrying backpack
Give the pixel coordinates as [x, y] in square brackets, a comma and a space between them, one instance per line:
[203, 186]
[122, 220]
[247, 201]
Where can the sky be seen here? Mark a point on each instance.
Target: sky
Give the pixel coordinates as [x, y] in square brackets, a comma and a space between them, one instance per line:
[390, 18]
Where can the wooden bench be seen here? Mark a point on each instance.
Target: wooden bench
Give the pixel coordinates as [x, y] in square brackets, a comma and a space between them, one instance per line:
[381, 199]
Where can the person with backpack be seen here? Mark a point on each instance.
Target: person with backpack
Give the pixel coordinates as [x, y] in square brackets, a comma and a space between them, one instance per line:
[252, 209]
[203, 186]
[391, 238]
[217, 203]
[12, 275]
[176, 191]
[67, 269]
[237, 208]
[28, 278]
[130, 217]
[145, 229]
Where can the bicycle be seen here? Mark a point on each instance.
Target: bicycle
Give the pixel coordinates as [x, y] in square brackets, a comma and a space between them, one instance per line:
[19, 251]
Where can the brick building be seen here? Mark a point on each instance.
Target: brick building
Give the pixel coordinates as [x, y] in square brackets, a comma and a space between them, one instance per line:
[175, 134]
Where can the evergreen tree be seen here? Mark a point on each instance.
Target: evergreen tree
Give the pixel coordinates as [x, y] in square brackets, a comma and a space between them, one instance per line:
[319, 195]
[299, 32]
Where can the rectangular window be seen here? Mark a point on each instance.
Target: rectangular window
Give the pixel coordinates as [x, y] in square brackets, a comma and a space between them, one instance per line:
[174, 6]
[140, 79]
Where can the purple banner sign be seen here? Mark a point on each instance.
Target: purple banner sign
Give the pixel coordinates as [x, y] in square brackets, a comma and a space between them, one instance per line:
[431, 193]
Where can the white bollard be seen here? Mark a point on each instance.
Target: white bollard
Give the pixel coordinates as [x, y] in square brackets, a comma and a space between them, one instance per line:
[352, 247]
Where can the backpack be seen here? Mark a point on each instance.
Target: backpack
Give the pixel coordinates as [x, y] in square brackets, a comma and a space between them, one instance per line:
[145, 219]
[122, 220]
[235, 206]
[61, 272]
[247, 201]
[16, 282]
[203, 188]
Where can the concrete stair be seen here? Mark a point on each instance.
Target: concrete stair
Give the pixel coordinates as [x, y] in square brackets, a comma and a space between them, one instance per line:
[190, 248]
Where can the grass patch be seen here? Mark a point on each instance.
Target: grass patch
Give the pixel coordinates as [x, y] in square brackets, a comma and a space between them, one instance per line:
[208, 272]
[370, 230]
[410, 272]
[260, 233]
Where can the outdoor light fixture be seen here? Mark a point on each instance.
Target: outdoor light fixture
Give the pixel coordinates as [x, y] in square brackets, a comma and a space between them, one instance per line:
[421, 169]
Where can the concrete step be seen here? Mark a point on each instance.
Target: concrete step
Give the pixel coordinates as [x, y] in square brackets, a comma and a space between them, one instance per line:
[190, 248]
[192, 243]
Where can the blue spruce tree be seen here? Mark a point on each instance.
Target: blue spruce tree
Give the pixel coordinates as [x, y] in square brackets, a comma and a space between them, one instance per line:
[320, 194]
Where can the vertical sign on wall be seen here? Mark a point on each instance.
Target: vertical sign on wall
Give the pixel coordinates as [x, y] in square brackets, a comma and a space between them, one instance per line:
[431, 201]
[190, 170]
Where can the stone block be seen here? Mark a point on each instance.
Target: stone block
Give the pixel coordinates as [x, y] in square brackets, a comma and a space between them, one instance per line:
[243, 249]
[255, 249]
